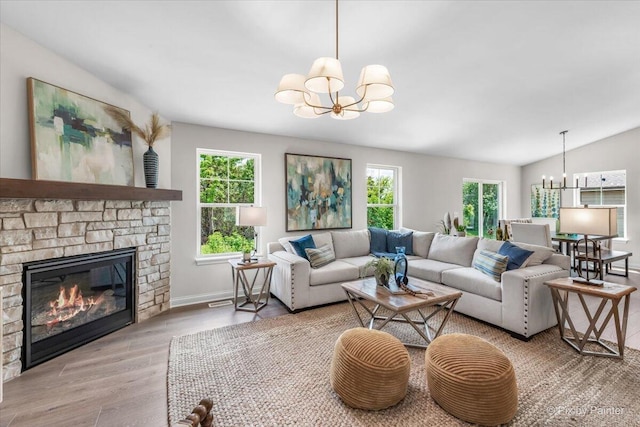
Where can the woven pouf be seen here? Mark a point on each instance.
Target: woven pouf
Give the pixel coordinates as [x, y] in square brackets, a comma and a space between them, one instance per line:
[370, 369]
[471, 379]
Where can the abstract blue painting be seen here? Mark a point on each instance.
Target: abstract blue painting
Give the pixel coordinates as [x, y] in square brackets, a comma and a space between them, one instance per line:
[318, 192]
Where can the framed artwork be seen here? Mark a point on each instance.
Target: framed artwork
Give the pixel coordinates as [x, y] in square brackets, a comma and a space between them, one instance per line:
[545, 202]
[74, 139]
[318, 192]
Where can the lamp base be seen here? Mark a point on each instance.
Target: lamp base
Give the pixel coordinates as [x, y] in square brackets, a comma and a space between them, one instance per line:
[592, 282]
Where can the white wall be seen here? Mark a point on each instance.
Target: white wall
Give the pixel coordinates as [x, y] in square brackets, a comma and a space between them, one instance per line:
[431, 186]
[21, 58]
[616, 152]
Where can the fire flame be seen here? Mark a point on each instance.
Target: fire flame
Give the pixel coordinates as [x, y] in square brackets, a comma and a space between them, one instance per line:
[68, 305]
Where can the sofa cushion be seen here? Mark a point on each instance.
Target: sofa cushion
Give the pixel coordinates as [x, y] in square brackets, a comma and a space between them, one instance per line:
[299, 245]
[518, 257]
[337, 271]
[473, 281]
[490, 263]
[284, 241]
[384, 254]
[540, 253]
[320, 256]
[396, 239]
[348, 244]
[453, 249]
[322, 239]
[360, 262]
[422, 242]
[428, 269]
[378, 239]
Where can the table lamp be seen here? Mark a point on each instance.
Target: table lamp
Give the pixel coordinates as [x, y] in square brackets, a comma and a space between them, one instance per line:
[589, 221]
[252, 216]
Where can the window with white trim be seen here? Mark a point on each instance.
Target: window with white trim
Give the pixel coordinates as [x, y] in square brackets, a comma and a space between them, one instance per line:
[226, 180]
[483, 204]
[606, 189]
[383, 196]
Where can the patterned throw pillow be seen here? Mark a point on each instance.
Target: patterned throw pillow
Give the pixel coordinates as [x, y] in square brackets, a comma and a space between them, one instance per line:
[518, 257]
[305, 242]
[491, 264]
[320, 256]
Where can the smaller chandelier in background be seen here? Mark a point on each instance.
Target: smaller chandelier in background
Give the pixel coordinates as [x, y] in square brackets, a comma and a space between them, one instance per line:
[374, 89]
[562, 185]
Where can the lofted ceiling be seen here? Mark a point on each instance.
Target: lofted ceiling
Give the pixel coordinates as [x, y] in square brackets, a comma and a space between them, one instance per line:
[491, 81]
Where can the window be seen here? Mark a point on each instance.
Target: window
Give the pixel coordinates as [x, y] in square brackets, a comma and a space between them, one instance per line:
[226, 180]
[482, 206]
[383, 196]
[606, 189]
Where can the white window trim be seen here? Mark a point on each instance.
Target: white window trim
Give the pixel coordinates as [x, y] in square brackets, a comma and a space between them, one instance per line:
[502, 202]
[397, 192]
[257, 201]
[576, 199]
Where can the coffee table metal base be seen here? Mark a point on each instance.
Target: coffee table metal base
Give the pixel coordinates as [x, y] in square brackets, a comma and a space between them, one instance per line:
[395, 316]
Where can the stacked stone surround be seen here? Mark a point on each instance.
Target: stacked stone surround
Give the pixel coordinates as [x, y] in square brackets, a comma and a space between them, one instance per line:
[38, 229]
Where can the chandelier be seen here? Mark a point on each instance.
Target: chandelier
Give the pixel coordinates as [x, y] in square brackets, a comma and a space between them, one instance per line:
[563, 184]
[374, 89]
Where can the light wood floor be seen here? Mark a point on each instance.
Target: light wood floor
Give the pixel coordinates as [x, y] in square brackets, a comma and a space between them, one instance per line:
[120, 379]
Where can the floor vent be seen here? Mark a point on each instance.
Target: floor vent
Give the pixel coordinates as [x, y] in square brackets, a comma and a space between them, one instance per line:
[220, 303]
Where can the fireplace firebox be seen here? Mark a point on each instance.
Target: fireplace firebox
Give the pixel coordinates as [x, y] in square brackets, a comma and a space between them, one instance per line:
[74, 300]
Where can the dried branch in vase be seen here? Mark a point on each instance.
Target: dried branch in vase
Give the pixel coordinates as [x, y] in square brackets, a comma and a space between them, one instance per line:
[152, 132]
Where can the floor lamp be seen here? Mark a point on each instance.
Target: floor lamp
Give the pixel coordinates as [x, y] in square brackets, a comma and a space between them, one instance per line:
[589, 221]
[252, 216]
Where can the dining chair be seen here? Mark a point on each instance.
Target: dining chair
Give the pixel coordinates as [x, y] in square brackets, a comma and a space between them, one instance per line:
[534, 234]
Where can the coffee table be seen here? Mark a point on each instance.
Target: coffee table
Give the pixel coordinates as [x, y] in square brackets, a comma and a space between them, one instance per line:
[365, 293]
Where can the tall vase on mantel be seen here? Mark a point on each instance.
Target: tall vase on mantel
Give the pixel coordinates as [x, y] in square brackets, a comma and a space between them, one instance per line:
[151, 165]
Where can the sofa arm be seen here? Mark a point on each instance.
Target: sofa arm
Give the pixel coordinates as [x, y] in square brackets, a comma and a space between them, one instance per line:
[562, 261]
[290, 279]
[527, 307]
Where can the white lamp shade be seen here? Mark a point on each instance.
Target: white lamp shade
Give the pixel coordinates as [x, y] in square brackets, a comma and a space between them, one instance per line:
[251, 216]
[321, 70]
[374, 83]
[306, 111]
[589, 221]
[346, 114]
[291, 89]
[378, 105]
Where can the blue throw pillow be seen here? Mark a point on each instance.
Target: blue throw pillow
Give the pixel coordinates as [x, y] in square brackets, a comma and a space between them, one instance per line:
[399, 239]
[305, 242]
[378, 240]
[517, 256]
[383, 254]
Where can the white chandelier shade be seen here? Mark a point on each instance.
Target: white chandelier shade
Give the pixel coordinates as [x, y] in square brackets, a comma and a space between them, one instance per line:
[374, 89]
[325, 76]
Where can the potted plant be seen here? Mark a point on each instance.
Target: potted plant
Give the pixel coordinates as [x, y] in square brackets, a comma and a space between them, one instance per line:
[382, 270]
[246, 249]
[149, 134]
[461, 230]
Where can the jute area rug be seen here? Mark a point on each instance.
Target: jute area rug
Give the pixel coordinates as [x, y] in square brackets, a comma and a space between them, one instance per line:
[275, 372]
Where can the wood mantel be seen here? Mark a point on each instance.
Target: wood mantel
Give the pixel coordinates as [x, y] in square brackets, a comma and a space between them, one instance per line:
[11, 188]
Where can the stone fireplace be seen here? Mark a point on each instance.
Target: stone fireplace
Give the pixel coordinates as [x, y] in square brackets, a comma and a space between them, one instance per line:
[38, 229]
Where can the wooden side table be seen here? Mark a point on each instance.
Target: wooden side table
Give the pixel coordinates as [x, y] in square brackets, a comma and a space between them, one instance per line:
[608, 292]
[239, 276]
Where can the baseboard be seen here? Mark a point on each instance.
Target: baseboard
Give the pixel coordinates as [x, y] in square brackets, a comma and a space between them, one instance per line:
[200, 299]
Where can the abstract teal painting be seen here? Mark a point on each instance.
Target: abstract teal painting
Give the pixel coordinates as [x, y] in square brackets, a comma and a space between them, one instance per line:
[545, 202]
[74, 139]
[318, 192]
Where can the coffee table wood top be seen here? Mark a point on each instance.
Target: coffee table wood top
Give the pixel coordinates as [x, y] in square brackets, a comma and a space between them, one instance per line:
[369, 290]
[607, 290]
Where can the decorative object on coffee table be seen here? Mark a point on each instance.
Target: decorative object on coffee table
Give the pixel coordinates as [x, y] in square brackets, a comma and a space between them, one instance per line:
[383, 268]
[152, 132]
[608, 293]
[74, 139]
[471, 379]
[369, 369]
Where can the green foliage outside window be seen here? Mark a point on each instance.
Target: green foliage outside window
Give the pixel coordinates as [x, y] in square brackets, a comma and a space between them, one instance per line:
[380, 199]
[225, 182]
[474, 219]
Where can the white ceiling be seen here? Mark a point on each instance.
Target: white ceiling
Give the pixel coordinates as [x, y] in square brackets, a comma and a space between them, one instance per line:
[488, 81]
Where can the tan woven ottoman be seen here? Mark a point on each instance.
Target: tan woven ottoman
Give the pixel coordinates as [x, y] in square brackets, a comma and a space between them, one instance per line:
[370, 369]
[471, 379]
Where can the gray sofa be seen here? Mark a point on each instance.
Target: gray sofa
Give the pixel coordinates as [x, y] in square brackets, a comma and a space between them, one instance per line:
[519, 303]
